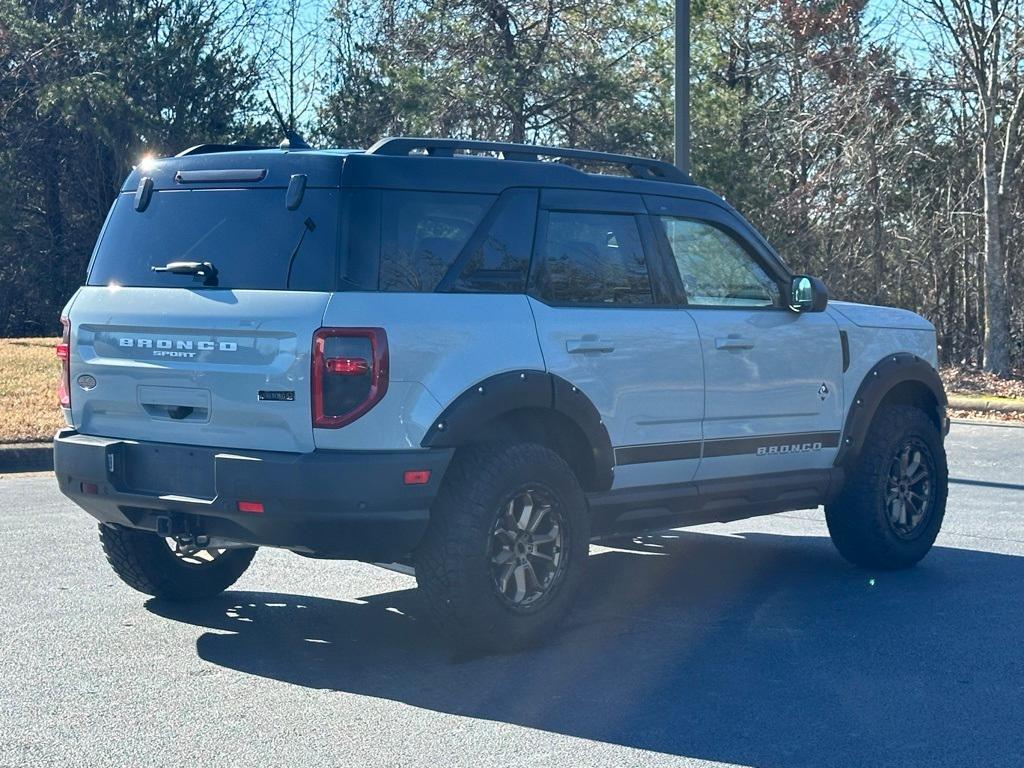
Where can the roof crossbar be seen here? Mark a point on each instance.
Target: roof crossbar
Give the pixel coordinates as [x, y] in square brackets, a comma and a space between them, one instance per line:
[639, 168]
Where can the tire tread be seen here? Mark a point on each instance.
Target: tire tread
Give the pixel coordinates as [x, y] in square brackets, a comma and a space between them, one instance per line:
[143, 562]
[856, 523]
[462, 509]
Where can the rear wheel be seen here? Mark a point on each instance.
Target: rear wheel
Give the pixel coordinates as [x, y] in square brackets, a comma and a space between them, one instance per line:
[508, 540]
[165, 568]
[891, 509]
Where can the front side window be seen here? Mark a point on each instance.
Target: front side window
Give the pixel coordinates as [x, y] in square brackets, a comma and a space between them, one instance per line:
[422, 234]
[592, 259]
[716, 270]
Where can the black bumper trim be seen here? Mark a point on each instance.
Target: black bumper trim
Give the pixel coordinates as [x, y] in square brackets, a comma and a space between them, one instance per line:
[342, 504]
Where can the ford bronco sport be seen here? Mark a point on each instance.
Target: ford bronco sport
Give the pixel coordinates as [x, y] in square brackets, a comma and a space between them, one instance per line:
[474, 359]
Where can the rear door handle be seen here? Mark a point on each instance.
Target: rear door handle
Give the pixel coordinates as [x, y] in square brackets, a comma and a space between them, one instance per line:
[733, 342]
[582, 346]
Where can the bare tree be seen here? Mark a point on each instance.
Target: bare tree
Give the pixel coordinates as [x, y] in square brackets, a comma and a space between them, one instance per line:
[984, 39]
[294, 52]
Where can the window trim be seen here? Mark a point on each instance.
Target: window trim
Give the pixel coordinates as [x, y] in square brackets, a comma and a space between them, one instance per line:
[652, 258]
[770, 267]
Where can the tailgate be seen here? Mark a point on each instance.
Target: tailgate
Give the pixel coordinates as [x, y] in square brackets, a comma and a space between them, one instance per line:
[222, 368]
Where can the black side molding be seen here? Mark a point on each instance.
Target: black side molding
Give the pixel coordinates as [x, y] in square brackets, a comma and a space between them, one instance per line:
[888, 374]
[651, 454]
[506, 393]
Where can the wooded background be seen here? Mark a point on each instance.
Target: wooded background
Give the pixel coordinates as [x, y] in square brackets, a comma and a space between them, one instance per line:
[876, 144]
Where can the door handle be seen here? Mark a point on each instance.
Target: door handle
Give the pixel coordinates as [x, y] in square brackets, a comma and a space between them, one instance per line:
[582, 346]
[733, 342]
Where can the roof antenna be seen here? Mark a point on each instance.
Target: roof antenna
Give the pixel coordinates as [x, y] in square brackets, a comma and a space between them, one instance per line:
[292, 140]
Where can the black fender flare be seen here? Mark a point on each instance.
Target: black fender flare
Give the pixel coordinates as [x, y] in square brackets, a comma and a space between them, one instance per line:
[512, 391]
[887, 374]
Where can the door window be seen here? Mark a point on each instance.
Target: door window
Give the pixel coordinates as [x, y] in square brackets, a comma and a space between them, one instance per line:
[716, 270]
[592, 259]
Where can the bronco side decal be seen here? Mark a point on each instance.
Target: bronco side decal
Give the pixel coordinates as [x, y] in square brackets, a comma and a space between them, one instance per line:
[762, 445]
[771, 445]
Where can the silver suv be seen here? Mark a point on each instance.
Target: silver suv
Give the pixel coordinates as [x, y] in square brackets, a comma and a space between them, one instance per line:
[473, 359]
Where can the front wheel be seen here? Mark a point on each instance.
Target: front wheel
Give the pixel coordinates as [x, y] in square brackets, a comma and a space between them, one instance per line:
[504, 554]
[891, 509]
[164, 568]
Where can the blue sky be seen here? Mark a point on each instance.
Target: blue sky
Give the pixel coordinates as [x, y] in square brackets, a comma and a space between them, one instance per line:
[895, 20]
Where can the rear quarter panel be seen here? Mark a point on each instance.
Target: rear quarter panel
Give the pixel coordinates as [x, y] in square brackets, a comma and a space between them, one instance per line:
[439, 346]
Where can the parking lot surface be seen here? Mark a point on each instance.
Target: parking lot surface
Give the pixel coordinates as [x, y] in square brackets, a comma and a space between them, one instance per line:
[750, 643]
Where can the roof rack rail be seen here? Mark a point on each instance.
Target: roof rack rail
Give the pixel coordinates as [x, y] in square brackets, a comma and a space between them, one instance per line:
[639, 168]
[209, 149]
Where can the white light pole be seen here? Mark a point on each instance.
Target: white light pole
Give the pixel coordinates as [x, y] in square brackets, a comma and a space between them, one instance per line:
[682, 108]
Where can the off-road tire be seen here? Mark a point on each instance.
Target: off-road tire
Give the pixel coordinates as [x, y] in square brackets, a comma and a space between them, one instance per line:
[858, 520]
[453, 563]
[145, 562]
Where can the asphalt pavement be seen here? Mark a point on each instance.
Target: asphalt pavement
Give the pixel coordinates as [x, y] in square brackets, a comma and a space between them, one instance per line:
[751, 643]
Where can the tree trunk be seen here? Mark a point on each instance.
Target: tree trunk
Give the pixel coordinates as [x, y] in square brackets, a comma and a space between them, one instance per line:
[56, 290]
[881, 292]
[518, 126]
[997, 318]
[949, 349]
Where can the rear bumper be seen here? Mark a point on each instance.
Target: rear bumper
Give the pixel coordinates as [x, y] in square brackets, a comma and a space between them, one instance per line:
[341, 504]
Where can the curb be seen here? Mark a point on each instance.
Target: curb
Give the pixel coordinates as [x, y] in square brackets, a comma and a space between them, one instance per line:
[981, 404]
[26, 457]
[988, 423]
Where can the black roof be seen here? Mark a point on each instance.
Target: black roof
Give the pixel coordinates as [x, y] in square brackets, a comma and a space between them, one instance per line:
[441, 165]
[411, 163]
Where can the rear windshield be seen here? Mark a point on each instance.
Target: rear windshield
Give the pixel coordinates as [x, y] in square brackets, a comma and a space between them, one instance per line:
[248, 235]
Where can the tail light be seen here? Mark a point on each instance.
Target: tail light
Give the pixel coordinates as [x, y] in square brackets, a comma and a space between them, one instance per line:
[350, 374]
[64, 353]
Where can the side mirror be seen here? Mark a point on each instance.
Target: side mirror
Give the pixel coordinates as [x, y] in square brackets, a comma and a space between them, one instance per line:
[808, 294]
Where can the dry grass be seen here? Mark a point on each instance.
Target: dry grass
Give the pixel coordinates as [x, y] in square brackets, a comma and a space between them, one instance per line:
[974, 384]
[970, 381]
[28, 390]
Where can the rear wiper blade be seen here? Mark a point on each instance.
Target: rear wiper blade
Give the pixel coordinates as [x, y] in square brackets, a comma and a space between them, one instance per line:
[203, 269]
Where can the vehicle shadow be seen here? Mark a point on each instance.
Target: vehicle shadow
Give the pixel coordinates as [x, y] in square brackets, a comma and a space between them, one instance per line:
[756, 649]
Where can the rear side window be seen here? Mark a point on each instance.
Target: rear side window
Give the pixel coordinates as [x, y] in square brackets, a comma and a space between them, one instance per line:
[497, 257]
[248, 235]
[422, 234]
[591, 259]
